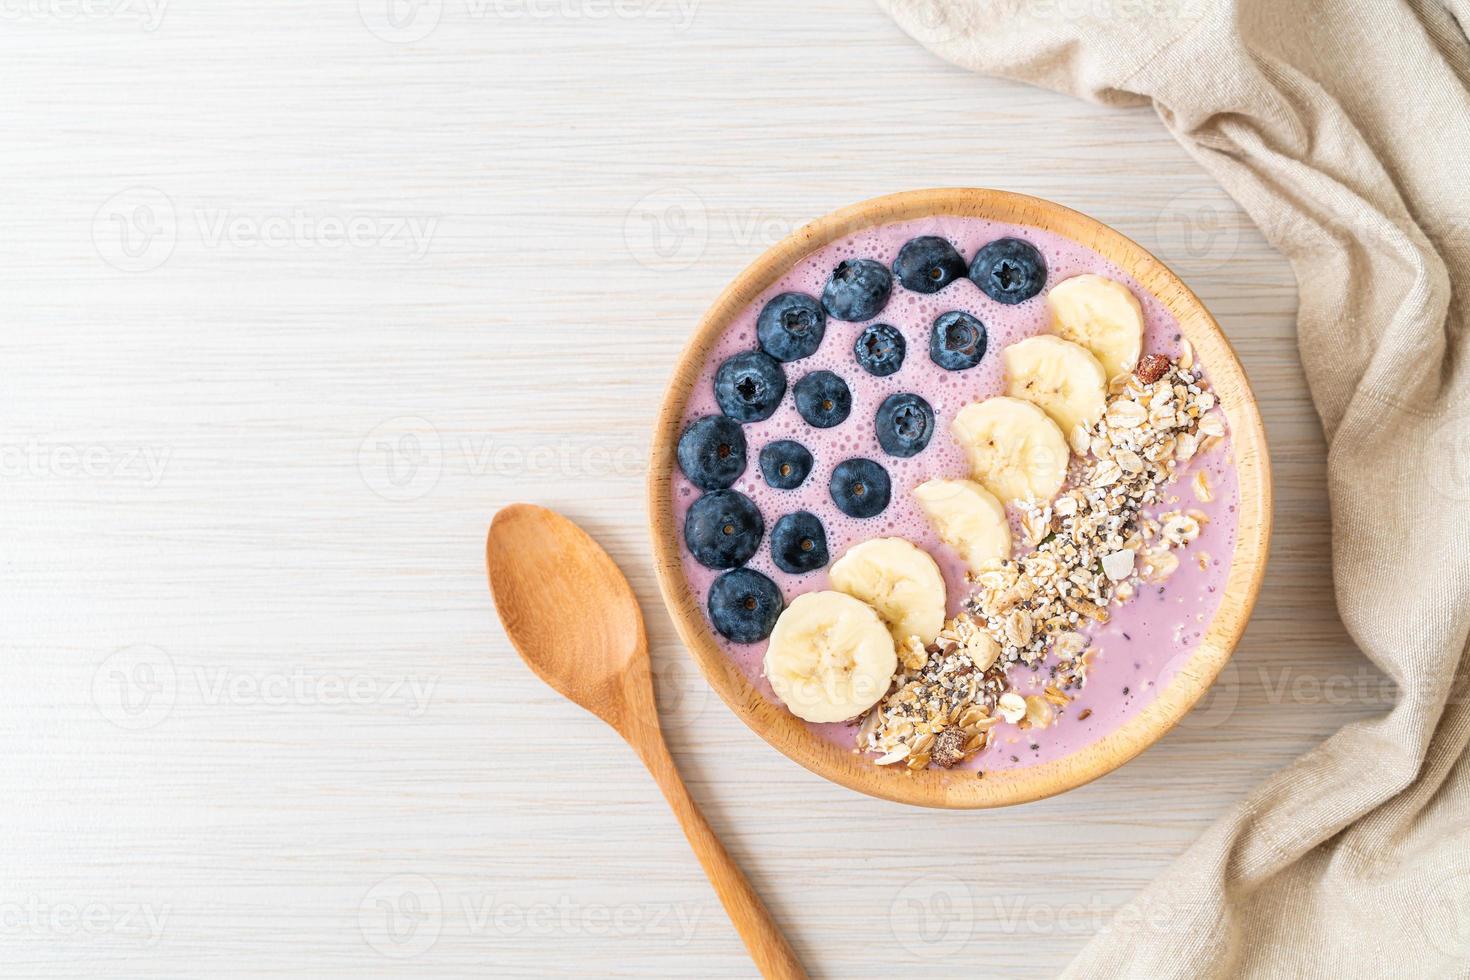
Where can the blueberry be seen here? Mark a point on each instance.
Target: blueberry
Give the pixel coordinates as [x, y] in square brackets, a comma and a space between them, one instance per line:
[880, 349]
[823, 399]
[744, 606]
[1009, 271]
[790, 326]
[785, 464]
[749, 386]
[957, 341]
[799, 543]
[928, 264]
[905, 425]
[860, 488]
[712, 452]
[857, 290]
[723, 529]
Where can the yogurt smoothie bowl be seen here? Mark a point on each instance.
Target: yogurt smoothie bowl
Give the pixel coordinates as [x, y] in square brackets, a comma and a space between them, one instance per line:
[958, 495]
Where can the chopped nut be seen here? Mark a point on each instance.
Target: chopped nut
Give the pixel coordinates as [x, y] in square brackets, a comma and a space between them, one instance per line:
[1151, 368]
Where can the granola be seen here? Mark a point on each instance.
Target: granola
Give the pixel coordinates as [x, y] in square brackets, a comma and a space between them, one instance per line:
[1089, 549]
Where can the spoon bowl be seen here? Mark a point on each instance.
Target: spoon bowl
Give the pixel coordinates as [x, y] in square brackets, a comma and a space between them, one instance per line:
[567, 609]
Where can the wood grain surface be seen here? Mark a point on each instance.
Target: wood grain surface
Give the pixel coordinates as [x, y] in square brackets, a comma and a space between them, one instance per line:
[294, 296]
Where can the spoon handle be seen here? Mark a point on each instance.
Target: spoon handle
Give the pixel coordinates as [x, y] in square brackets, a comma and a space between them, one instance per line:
[768, 947]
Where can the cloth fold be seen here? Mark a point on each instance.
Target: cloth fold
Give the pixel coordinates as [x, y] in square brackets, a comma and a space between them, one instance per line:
[1342, 127]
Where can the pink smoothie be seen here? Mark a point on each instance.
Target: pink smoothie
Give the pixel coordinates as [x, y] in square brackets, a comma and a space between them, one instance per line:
[1146, 639]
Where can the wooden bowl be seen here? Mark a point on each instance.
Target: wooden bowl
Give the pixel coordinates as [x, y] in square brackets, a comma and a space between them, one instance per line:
[960, 788]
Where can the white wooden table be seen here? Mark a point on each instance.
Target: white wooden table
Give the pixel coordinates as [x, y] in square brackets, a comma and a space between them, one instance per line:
[294, 296]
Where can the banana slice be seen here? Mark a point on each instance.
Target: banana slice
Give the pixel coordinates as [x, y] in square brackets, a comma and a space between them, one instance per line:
[897, 579]
[968, 518]
[1101, 315]
[830, 657]
[1015, 449]
[1061, 378]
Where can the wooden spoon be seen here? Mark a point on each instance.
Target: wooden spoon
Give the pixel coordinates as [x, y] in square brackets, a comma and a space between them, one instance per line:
[574, 620]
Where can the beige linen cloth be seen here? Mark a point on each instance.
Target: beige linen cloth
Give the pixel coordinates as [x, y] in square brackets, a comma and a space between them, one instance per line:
[1343, 129]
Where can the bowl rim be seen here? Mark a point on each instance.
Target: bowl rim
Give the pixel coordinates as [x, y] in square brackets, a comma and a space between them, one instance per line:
[961, 789]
